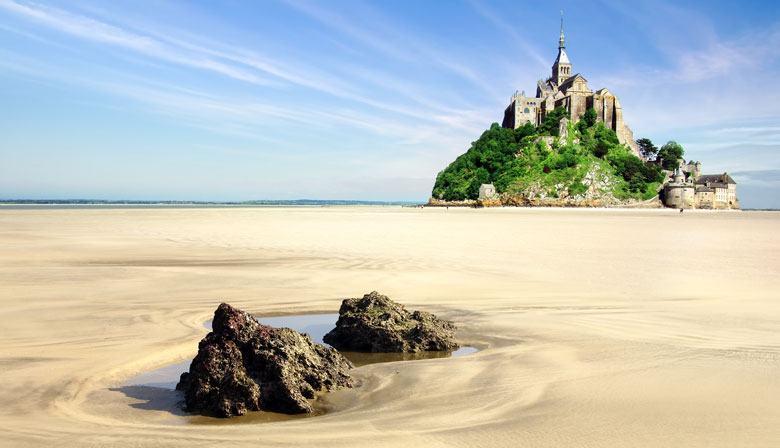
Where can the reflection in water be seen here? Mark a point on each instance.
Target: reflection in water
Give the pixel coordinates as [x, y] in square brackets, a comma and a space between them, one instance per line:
[157, 387]
[316, 325]
[361, 359]
[162, 378]
[253, 417]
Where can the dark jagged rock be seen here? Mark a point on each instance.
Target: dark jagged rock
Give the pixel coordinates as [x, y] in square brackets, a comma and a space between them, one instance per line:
[377, 324]
[243, 365]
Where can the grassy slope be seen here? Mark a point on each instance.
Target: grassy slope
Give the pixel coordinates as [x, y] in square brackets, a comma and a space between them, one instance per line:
[522, 164]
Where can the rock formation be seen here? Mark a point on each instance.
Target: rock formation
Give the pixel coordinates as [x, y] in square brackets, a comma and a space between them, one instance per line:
[377, 324]
[243, 366]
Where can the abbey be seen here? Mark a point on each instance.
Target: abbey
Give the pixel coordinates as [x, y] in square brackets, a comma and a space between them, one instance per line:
[563, 89]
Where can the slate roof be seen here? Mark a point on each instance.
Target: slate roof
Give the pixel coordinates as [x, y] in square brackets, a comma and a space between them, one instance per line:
[570, 80]
[562, 57]
[545, 87]
[715, 179]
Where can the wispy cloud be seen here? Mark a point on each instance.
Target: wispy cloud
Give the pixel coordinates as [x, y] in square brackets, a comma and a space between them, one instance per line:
[720, 58]
[524, 42]
[694, 50]
[231, 61]
[229, 116]
[388, 39]
[91, 29]
[32, 36]
[381, 88]
[759, 176]
[755, 130]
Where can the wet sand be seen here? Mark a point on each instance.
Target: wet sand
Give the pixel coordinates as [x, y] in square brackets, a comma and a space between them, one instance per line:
[596, 327]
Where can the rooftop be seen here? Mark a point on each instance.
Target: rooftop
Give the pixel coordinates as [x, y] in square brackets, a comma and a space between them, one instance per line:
[715, 179]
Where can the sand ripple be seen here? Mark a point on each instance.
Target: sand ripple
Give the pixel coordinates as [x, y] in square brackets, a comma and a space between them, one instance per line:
[598, 328]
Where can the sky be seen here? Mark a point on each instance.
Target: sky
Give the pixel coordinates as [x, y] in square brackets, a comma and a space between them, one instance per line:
[366, 100]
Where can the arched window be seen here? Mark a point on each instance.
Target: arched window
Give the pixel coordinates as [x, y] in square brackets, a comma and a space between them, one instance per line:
[527, 110]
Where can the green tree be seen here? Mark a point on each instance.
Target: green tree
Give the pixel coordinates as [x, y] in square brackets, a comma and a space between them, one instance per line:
[489, 156]
[587, 121]
[652, 173]
[552, 121]
[636, 185]
[603, 140]
[589, 117]
[669, 154]
[524, 131]
[607, 135]
[647, 148]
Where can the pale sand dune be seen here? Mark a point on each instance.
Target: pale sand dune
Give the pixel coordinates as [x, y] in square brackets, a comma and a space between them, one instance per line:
[598, 327]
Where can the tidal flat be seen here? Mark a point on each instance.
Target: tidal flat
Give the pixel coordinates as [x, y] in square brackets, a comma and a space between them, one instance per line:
[595, 327]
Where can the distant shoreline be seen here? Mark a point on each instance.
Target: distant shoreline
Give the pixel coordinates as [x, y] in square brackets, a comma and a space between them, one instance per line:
[304, 202]
[13, 205]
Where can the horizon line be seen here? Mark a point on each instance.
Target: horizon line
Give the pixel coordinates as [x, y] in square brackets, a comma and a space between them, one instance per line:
[194, 201]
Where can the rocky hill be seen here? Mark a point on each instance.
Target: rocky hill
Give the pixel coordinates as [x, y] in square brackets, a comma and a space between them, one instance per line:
[559, 163]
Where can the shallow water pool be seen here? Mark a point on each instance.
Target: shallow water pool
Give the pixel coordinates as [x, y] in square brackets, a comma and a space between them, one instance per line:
[316, 325]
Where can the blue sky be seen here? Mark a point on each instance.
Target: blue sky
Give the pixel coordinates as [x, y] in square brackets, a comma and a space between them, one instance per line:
[355, 99]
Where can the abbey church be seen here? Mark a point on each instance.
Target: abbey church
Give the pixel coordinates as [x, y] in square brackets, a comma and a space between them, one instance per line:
[563, 89]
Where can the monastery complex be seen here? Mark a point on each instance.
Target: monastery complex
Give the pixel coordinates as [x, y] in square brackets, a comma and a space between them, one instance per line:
[563, 89]
[685, 188]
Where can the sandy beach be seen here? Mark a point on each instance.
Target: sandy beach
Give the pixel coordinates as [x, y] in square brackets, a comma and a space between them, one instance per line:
[595, 327]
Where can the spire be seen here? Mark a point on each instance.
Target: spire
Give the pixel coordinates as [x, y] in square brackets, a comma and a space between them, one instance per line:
[561, 42]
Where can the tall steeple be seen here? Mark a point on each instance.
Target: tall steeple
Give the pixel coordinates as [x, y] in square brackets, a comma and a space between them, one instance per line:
[561, 70]
[561, 42]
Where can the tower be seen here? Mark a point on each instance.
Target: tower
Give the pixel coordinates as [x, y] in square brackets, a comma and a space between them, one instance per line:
[561, 69]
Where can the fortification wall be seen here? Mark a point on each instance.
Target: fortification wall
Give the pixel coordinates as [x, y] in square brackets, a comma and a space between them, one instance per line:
[679, 196]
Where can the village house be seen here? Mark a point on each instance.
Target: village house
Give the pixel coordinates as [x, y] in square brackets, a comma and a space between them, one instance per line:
[704, 191]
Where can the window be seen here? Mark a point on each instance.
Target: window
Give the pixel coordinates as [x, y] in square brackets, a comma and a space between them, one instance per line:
[526, 110]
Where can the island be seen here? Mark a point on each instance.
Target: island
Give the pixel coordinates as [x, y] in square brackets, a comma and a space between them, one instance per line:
[568, 146]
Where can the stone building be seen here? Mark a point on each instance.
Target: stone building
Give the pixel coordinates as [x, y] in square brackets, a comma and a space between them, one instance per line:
[704, 197]
[487, 191]
[564, 89]
[705, 191]
[679, 193]
[691, 167]
[721, 188]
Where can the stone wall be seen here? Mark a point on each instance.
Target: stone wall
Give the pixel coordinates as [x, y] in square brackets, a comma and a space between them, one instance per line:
[704, 199]
[515, 114]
